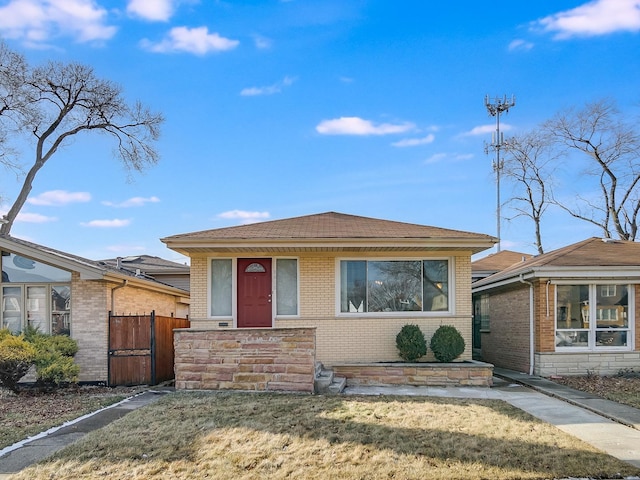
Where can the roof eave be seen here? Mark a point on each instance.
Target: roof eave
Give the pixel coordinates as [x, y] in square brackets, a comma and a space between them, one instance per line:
[86, 271]
[623, 272]
[185, 246]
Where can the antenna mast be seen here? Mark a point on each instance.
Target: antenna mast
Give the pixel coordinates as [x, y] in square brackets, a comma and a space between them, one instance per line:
[495, 107]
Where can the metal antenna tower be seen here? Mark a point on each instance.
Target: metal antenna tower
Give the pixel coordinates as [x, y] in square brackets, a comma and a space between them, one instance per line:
[495, 107]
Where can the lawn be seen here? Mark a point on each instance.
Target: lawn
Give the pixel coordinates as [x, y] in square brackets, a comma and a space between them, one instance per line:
[189, 435]
[32, 411]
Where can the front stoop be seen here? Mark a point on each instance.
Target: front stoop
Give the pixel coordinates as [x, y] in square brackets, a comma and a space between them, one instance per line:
[326, 382]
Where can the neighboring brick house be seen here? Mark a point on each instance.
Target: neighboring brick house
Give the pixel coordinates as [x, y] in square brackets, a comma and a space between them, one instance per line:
[571, 311]
[355, 280]
[62, 293]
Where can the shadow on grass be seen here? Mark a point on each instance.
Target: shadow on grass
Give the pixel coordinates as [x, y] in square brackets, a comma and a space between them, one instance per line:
[180, 426]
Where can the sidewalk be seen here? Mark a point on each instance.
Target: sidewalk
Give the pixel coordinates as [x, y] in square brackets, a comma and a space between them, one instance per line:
[22, 454]
[614, 411]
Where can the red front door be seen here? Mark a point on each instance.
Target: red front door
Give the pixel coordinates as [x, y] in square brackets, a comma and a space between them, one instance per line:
[254, 293]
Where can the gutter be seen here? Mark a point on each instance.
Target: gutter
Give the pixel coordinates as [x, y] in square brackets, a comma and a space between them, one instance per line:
[113, 299]
[531, 325]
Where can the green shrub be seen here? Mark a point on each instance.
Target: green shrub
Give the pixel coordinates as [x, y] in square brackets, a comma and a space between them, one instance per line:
[53, 368]
[411, 343]
[16, 357]
[54, 359]
[447, 344]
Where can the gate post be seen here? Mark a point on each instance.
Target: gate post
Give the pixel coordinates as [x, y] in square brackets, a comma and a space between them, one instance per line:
[153, 347]
[109, 350]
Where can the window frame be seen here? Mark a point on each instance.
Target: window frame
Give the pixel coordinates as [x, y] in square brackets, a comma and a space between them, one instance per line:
[47, 302]
[451, 277]
[591, 316]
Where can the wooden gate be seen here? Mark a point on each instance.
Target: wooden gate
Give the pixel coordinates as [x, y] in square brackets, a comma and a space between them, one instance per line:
[141, 348]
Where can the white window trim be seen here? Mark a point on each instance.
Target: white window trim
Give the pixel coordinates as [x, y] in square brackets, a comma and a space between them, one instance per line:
[592, 314]
[233, 318]
[450, 312]
[274, 284]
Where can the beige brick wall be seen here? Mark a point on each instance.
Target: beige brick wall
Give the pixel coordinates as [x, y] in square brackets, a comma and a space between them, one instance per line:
[90, 303]
[506, 345]
[90, 306]
[348, 338]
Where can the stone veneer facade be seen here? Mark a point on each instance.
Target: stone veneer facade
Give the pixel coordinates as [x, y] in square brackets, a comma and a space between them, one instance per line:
[468, 374]
[280, 359]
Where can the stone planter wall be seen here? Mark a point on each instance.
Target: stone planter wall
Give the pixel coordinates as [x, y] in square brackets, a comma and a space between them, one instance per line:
[470, 373]
[256, 359]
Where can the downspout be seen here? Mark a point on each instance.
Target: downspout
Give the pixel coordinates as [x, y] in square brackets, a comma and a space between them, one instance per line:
[531, 325]
[113, 299]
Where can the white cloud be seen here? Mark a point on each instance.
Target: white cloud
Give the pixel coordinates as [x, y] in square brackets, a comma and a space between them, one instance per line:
[58, 198]
[269, 90]
[34, 218]
[192, 40]
[598, 17]
[413, 142]
[38, 21]
[519, 45]
[156, 10]
[359, 126]
[487, 129]
[132, 202]
[244, 216]
[115, 223]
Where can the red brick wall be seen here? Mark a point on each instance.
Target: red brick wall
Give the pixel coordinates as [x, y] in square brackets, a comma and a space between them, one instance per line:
[507, 343]
[279, 359]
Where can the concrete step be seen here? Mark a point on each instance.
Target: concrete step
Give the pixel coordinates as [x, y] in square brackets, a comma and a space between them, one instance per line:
[326, 382]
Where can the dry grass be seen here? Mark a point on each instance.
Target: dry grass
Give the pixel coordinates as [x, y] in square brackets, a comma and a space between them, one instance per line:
[248, 436]
[32, 411]
[621, 388]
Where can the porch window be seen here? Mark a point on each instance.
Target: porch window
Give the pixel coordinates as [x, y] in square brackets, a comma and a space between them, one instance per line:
[593, 317]
[221, 287]
[387, 286]
[34, 294]
[286, 286]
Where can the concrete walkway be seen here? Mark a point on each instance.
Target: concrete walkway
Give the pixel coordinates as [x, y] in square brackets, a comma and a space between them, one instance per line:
[609, 426]
[34, 449]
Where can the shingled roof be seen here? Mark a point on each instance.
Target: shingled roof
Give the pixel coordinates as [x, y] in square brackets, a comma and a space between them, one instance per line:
[330, 230]
[590, 258]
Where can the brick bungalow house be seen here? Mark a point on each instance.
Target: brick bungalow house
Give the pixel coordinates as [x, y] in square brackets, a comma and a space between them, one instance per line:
[354, 280]
[62, 293]
[567, 312]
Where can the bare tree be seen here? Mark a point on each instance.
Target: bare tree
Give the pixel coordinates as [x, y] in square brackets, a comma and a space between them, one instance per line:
[530, 164]
[53, 103]
[611, 145]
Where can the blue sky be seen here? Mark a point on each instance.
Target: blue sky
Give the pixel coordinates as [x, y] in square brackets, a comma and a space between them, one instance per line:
[277, 109]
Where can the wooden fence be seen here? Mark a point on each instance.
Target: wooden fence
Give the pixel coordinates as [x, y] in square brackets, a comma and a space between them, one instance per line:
[141, 348]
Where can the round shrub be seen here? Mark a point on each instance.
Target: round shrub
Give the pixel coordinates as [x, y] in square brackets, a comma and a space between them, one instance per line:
[16, 357]
[447, 344]
[411, 343]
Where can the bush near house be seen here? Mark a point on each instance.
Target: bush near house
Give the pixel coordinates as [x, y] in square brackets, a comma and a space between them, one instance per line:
[447, 344]
[411, 343]
[16, 357]
[54, 358]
